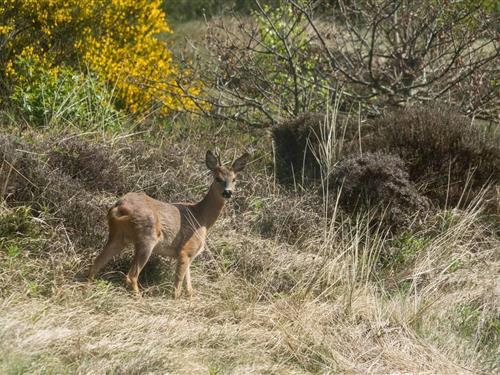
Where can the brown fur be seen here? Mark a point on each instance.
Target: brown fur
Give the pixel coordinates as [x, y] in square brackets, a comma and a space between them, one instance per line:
[178, 230]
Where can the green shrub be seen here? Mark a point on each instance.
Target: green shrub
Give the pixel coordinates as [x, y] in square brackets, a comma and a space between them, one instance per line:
[46, 97]
[16, 222]
[406, 248]
[267, 67]
[19, 231]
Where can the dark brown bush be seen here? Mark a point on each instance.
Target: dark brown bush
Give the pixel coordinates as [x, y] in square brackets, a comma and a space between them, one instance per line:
[94, 165]
[292, 154]
[22, 168]
[160, 172]
[441, 148]
[34, 182]
[297, 142]
[376, 180]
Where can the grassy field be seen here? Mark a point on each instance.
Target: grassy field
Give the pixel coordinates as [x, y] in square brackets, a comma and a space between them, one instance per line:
[280, 289]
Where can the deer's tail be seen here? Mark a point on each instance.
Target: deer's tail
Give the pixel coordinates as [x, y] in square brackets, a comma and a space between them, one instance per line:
[119, 212]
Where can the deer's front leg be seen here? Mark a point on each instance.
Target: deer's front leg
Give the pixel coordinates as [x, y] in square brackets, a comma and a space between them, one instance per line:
[187, 281]
[187, 278]
[182, 270]
[185, 256]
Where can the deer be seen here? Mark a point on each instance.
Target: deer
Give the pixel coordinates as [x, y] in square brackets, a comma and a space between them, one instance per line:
[177, 230]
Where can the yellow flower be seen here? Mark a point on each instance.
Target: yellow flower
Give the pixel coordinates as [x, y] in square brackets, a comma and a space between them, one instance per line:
[9, 69]
[116, 39]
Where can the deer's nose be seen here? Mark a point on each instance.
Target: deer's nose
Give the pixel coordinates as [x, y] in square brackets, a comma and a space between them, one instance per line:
[227, 193]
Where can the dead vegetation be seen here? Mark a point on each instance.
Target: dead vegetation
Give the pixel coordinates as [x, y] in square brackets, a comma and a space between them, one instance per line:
[380, 181]
[280, 289]
[93, 165]
[444, 151]
[444, 155]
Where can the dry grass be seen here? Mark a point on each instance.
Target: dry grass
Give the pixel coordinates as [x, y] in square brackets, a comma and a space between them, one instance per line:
[281, 289]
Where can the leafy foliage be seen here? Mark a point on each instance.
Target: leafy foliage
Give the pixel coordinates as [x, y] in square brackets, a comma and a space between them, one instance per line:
[48, 96]
[292, 58]
[19, 232]
[265, 68]
[287, 58]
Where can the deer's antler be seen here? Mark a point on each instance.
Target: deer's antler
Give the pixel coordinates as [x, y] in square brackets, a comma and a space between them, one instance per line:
[217, 155]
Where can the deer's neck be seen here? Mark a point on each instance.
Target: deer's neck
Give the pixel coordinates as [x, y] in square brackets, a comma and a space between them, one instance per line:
[210, 207]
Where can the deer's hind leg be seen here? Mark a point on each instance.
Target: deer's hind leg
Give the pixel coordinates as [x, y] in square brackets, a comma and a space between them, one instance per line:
[143, 250]
[113, 247]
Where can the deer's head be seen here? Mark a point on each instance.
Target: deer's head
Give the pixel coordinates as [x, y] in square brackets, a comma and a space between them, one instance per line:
[225, 176]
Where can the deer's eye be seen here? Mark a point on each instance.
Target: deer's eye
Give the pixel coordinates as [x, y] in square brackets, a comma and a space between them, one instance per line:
[218, 179]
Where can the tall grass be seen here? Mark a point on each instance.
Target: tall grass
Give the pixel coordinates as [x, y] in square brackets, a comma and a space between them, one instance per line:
[330, 145]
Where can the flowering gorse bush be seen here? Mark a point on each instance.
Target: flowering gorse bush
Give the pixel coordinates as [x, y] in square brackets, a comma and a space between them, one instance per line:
[116, 40]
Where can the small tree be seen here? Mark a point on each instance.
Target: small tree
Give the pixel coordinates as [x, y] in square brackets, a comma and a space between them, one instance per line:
[287, 59]
[395, 51]
[265, 68]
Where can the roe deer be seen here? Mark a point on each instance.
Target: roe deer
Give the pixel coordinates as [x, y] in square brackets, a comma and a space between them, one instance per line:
[176, 230]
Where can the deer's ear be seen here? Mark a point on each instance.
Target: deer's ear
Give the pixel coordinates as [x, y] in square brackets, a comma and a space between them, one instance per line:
[240, 163]
[211, 160]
